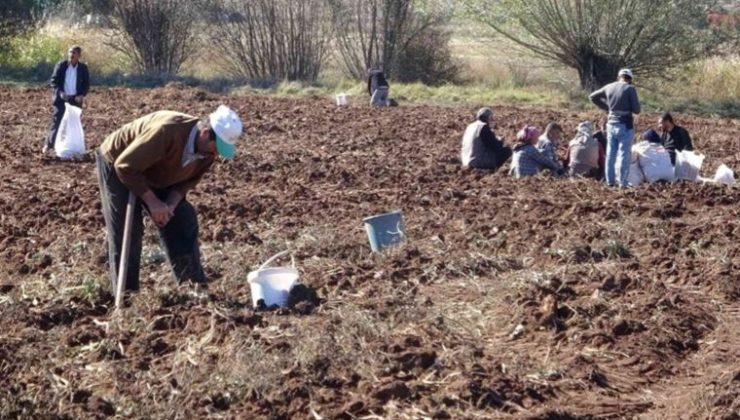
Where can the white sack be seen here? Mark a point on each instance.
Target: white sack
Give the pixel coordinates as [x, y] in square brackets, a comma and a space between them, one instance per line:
[688, 165]
[724, 175]
[70, 140]
[656, 164]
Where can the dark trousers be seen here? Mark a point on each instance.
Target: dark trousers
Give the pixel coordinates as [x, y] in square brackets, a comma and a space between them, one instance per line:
[179, 238]
[502, 155]
[56, 119]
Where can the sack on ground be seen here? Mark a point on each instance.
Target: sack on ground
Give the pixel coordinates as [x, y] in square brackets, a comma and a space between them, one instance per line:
[655, 162]
[70, 140]
[724, 175]
[688, 165]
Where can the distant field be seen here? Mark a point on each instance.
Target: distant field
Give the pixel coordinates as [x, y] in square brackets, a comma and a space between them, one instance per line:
[493, 71]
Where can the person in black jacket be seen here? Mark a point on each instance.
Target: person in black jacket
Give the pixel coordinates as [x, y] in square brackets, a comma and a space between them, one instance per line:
[70, 82]
[377, 87]
[674, 138]
[375, 79]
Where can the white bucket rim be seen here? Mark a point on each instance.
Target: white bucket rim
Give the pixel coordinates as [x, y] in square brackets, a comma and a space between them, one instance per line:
[252, 275]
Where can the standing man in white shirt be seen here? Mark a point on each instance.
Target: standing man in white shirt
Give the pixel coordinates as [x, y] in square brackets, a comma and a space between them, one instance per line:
[70, 82]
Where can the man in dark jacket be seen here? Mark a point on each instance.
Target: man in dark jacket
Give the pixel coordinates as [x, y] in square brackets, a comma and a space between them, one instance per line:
[377, 87]
[70, 82]
[480, 147]
[674, 138]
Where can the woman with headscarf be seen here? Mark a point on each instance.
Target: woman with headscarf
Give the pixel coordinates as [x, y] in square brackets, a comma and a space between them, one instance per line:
[480, 147]
[548, 142]
[527, 160]
[585, 153]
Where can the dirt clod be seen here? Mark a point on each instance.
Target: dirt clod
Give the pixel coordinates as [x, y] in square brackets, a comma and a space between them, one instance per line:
[396, 390]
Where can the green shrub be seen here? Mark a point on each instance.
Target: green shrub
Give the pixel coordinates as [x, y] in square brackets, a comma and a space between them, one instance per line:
[28, 51]
[31, 57]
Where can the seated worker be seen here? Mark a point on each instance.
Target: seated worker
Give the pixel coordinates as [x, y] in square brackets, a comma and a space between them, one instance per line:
[527, 160]
[585, 153]
[480, 147]
[377, 88]
[548, 142]
[674, 138]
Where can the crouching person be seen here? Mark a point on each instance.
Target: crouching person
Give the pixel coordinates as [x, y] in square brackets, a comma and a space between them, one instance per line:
[585, 153]
[527, 159]
[548, 142]
[480, 147]
[159, 158]
[378, 88]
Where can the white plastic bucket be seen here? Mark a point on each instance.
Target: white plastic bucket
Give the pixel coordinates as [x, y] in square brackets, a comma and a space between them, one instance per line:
[272, 285]
[342, 99]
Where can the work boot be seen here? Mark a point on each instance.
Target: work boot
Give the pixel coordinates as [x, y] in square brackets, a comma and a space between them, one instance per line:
[188, 268]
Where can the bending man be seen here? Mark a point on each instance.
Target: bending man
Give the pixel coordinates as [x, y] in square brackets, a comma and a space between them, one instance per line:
[160, 157]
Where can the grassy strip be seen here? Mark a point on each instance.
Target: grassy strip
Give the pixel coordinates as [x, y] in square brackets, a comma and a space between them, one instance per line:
[413, 93]
[418, 93]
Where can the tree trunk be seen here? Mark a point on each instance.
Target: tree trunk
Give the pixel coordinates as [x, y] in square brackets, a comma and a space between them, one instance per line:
[596, 71]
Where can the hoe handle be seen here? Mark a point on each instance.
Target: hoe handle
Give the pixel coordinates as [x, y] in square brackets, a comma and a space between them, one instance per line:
[126, 248]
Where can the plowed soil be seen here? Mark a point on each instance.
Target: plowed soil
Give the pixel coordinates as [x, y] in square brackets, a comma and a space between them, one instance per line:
[539, 298]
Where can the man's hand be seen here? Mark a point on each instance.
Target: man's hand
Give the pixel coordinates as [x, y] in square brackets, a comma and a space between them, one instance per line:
[173, 200]
[159, 211]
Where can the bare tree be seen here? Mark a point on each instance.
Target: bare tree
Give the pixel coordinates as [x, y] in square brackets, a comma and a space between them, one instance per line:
[427, 58]
[157, 35]
[407, 38]
[597, 37]
[271, 39]
[368, 33]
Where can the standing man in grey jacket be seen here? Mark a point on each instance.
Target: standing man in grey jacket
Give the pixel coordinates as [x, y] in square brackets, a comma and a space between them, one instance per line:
[620, 100]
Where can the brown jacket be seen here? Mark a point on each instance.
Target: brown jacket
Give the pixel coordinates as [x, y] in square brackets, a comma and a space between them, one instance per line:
[147, 153]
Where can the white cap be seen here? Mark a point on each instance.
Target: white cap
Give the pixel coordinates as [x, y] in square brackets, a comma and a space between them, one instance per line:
[626, 72]
[228, 127]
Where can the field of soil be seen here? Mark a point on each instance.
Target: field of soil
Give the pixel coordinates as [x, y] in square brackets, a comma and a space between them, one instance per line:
[541, 298]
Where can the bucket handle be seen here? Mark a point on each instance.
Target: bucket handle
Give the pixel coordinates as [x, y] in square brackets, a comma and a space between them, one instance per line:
[398, 231]
[274, 257]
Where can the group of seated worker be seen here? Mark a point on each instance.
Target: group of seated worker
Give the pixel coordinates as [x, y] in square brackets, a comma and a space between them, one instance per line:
[532, 153]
